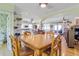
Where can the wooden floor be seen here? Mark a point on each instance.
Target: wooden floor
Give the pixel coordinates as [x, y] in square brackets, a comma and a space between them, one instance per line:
[69, 51]
[65, 50]
[4, 51]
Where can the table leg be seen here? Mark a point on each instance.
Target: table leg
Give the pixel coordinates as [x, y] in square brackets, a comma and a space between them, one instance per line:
[37, 53]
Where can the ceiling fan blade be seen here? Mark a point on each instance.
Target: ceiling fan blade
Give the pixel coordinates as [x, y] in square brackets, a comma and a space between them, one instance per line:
[69, 22]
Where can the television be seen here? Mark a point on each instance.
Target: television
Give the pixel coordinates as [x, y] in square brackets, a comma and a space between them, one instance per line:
[77, 33]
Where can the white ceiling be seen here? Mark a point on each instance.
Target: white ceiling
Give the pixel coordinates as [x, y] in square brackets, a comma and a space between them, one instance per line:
[52, 13]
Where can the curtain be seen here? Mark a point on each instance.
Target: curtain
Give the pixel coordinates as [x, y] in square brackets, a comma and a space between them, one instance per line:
[3, 27]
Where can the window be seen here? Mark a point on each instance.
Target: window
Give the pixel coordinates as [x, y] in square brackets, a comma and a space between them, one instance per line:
[57, 27]
[46, 27]
[30, 26]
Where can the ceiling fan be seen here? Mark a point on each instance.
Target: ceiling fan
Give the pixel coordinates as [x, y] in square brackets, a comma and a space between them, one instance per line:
[31, 21]
[65, 21]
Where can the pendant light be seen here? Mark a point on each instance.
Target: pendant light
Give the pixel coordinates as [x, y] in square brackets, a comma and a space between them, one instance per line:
[43, 5]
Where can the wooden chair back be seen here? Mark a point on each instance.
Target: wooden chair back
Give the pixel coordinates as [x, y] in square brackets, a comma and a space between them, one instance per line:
[56, 46]
[16, 45]
[48, 34]
[26, 34]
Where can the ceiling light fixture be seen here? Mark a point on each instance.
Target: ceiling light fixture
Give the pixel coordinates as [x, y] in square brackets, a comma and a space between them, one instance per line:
[43, 5]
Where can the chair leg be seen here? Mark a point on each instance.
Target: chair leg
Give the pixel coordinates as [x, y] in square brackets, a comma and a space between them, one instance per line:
[44, 54]
[76, 42]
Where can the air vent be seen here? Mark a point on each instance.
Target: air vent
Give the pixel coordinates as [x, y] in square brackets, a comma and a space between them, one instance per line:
[15, 27]
[26, 26]
[18, 19]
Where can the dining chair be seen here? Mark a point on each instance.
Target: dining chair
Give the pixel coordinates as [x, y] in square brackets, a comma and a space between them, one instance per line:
[27, 33]
[49, 33]
[14, 46]
[18, 50]
[55, 49]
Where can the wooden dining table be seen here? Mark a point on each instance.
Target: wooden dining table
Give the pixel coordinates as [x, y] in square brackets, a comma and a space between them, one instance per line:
[38, 42]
